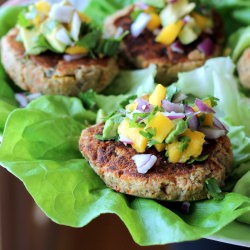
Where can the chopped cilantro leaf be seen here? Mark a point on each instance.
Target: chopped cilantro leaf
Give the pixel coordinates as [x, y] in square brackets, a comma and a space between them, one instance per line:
[88, 99]
[197, 159]
[172, 90]
[23, 21]
[184, 142]
[148, 133]
[213, 189]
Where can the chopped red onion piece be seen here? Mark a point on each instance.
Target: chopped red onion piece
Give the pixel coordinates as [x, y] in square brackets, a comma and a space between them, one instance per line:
[144, 162]
[185, 207]
[125, 140]
[193, 122]
[173, 115]
[177, 47]
[170, 106]
[179, 97]
[212, 133]
[186, 19]
[61, 13]
[140, 24]
[33, 96]
[206, 46]
[21, 99]
[143, 105]
[142, 6]
[69, 58]
[189, 110]
[172, 1]
[203, 107]
[218, 124]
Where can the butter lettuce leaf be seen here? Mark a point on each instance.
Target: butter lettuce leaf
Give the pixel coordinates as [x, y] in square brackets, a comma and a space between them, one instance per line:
[42, 151]
[40, 147]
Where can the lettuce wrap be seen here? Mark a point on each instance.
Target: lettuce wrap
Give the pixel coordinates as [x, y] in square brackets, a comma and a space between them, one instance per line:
[42, 151]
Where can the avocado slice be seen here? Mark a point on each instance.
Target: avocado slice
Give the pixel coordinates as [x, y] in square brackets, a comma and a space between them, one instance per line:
[28, 37]
[173, 12]
[49, 30]
[190, 32]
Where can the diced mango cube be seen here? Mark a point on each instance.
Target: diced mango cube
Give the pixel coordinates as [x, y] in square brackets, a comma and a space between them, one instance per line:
[162, 125]
[84, 18]
[174, 152]
[169, 33]
[160, 147]
[74, 50]
[131, 107]
[208, 120]
[202, 21]
[139, 142]
[194, 148]
[43, 7]
[158, 95]
[155, 21]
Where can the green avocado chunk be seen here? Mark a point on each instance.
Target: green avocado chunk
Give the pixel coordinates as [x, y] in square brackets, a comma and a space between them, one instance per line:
[30, 43]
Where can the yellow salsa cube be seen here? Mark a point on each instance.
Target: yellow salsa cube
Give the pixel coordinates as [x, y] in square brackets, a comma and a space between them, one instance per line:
[139, 142]
[158, 95]
[194, 148]
[162, 125]
[169, 33]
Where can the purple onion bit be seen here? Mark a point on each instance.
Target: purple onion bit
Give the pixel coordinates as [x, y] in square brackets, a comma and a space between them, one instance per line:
[212, 133]
[125, 140]
[173, 115]
[218, 124]
[143, 105]
[177, 47]
[193, 122]
[172, 1]
[185, 207]
[206, 46]
[69, 58]
[144, 162]
[203, 107]
[172, 107]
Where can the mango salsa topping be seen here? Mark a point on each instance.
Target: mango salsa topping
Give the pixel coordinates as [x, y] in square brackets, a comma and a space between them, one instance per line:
[169, 121]
[180, 21]
[62, 29]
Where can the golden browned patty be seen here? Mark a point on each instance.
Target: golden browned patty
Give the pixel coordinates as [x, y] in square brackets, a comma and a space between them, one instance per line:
[48, 73]
[142, 51]
[112, 161]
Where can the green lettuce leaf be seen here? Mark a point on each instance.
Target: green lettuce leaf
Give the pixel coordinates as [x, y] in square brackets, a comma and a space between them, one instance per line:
[8, 18]
[238, 42]
[42, 151]
[216, 78]
[137, 82]
[102, 9]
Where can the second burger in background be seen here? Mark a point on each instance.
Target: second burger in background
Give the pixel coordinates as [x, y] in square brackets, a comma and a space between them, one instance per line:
[55, 49]
[175, 35]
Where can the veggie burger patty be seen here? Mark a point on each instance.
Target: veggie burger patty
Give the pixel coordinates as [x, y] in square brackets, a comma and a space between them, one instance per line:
[112, 161]
[55, 49]
[48, 73]
[175, 37]
[160, 148]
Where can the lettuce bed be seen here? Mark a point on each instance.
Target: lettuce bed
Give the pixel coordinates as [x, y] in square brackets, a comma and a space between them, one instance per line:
[40, 147]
